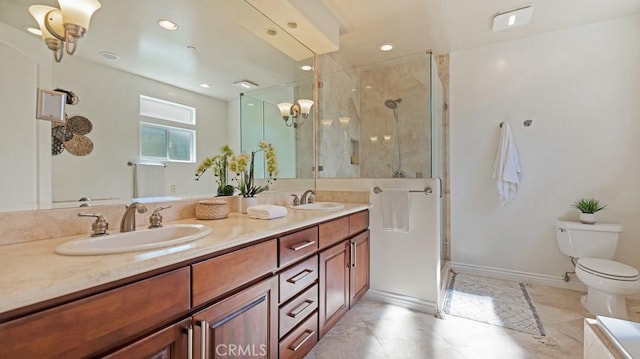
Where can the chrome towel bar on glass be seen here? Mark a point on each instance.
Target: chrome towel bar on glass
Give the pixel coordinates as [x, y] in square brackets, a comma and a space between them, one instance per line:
[427, 190]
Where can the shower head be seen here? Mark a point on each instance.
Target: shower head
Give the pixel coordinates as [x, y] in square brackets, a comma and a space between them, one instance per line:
[392, 104]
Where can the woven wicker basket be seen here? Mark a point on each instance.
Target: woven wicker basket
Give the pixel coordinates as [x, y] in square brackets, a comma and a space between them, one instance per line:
[212, 209]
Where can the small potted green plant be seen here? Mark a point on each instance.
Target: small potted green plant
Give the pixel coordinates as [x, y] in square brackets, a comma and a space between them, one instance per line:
[588, 208]
[219, 165]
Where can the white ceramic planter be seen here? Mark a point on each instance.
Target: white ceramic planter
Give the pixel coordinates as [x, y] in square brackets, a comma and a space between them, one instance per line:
[588, 218]
[246, 202]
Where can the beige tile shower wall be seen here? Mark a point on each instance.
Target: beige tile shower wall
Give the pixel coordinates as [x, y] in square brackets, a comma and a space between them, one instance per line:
[410, 82]
[339, 142]
[304, 137]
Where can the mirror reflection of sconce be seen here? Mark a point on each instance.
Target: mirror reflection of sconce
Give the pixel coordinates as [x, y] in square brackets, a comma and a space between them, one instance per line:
[374, 138]
[62, 28]
[295, 114]
[344, 121]
[327, 122]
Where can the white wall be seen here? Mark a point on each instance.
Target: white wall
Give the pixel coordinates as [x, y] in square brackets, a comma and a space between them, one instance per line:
[25, 153]
[110, 99]
[581, 88]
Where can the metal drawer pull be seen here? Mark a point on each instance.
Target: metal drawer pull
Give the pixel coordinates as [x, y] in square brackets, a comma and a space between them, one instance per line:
[298, 310]
[204, 333]
[300, 276]
[355, 254]
[302, 245]
[294, 346]
[190, 342]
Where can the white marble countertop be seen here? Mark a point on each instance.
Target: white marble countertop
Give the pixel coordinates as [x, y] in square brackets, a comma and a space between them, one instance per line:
[32, 272]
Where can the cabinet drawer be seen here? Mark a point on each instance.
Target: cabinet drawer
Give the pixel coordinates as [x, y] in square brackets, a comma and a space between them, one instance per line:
[358, 222]
[298, 277]
[299, 308]
[333, 232]
[300, 341]
[97, 323]
[298, 245]
[214, 277]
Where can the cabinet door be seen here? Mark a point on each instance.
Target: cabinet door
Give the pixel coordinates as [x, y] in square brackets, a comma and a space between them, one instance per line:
[334, 285]
[359, 266]
[244, 325]
[169, 343]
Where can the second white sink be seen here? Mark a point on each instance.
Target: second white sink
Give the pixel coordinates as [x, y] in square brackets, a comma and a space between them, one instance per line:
[140, 240]
[319, 206]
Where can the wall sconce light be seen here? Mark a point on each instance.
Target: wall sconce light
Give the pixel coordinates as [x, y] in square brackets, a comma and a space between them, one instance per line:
[297, 112]
[62, 28]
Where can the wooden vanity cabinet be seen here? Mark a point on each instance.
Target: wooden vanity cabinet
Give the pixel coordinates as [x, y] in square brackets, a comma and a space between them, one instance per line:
[168, 343]
[344, 267]
[270, 299]
[97, 323]
[244, 325]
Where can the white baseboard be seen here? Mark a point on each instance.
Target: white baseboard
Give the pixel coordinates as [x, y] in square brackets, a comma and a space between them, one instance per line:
[534, 278]
[404, 301]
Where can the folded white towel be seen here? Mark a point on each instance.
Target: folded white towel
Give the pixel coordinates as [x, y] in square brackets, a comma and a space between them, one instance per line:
[395, 210]
[506, 166]
[266, 211]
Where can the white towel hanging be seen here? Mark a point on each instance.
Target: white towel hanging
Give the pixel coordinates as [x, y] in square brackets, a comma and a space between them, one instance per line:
[395, 210]
[506, 166]
[148, 180]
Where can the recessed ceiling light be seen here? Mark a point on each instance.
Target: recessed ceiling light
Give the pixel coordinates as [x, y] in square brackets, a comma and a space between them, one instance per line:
[35, 31]
[511, 19]
[168, 25]
[306, 68]
[245, 84]
[272, 32]
[292, 24]
[386, 47]
[251, 104]
[205, 85]
[109, 55]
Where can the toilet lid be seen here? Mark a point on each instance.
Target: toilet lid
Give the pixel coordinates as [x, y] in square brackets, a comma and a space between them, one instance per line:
[608, 269]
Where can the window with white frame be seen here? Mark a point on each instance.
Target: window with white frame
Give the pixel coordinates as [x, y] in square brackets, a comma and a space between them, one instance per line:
[168, 131]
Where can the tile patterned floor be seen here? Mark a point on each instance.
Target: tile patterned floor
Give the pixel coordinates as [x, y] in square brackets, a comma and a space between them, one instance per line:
[375, 330]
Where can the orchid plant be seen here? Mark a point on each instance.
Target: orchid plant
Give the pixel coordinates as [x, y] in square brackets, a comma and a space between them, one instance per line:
[243, 165]
[219, 165]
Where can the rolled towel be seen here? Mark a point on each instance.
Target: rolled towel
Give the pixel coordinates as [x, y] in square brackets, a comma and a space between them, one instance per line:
[266, 211]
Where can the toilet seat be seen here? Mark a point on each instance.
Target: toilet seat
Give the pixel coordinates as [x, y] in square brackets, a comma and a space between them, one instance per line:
[609, 269]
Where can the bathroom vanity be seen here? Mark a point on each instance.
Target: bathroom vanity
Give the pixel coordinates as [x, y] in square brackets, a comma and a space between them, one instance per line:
[251, 288]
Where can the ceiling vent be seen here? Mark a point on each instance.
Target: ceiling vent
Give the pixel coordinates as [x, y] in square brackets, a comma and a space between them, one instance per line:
[511, 19]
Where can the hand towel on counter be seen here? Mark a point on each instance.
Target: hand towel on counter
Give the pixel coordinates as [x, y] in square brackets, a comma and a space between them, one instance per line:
[266, 211]
[506, 166]
[395, 210]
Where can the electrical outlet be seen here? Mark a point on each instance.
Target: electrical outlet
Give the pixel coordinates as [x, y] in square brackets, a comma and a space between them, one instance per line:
[173, 188]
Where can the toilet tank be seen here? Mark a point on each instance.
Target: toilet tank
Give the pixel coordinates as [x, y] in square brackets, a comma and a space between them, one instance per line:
[588, 240]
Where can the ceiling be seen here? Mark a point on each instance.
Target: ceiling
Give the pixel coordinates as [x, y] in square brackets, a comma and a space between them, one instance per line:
[230, 41]
[453, 25]
[218, 42]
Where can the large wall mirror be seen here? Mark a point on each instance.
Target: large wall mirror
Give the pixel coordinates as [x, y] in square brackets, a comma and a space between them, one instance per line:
[125, 55]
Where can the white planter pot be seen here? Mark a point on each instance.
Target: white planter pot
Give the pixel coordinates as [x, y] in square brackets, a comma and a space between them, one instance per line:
[246, 202]
[588, 218]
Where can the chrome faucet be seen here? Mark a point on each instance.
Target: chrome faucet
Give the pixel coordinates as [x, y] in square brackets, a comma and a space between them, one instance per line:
[307, 196]
[128, 222]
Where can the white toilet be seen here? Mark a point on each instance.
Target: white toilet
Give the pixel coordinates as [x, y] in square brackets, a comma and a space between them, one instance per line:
[608, 281]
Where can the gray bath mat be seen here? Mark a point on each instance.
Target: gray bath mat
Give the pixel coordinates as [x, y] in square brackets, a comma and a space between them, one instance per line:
[493, 301]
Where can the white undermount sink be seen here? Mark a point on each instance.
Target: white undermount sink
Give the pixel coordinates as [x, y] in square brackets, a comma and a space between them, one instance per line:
[140, 240]
[319, 206]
